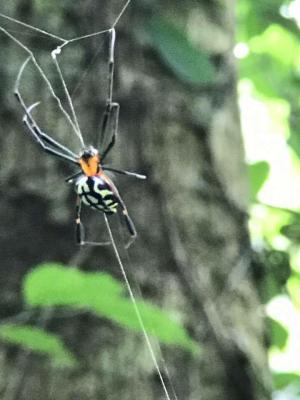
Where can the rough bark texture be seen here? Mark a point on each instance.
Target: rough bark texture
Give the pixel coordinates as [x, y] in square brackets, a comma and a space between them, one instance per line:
[192, 256]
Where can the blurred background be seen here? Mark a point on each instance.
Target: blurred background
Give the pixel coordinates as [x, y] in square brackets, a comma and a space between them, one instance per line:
[209, 111]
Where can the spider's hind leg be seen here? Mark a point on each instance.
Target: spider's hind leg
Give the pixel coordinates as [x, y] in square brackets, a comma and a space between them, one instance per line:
[124, 216]
[129, 224]
[80, 235]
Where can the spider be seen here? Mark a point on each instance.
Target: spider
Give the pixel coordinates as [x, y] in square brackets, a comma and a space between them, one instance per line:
[93, 187]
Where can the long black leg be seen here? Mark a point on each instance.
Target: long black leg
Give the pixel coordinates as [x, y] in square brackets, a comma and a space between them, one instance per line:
[70, 179]
[46, 148]
[128, 221]
[38, 134]
[130, 226]
[80, 229]
[124, 213]
[34, 129]
[120, 171]
[112, 112]
[46, 138]
[79, 226]
[112, 108]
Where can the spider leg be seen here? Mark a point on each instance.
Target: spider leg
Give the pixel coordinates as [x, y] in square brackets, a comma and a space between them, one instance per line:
[80, 229]
[112, 109]
[46, 138]
[119, 171]
[40, 136]
[128, 221]
[34, 129]
[44, 147]
[124, 213]
[70, 179]
[79, 226]
[129, 224]
[111, 112]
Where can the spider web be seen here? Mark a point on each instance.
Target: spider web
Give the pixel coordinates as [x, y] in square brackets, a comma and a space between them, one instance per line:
[63, 85]
[64, 88]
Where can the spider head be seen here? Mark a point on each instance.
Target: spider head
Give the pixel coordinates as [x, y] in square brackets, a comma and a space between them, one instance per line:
[88, 153]
[89, 160]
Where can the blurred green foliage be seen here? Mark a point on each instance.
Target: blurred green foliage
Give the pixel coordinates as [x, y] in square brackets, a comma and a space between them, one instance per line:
[272, 65]
[38, 341]
[278, 333]
[283, 380]
[55, 285]
[294, 288]
[258, 173]
[190, 64]
[275, 271]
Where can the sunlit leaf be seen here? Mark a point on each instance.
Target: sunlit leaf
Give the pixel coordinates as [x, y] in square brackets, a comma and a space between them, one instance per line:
[189, 63]
[272, 69]
[294, 289]
[255, 17]
[267, 222]
[278, 42]
[292, 230]
[294, 138]
[56, 285]
[39, 341]
[279, 334]
[258, 174]
[282, 380]
[273, 63]
[269, 79]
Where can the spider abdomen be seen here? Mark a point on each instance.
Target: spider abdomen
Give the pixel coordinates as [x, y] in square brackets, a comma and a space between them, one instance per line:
[96, 193]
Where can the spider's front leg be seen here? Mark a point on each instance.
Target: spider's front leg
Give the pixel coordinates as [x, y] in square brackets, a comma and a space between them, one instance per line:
[56, 150]
[111, 113]
[47, 144]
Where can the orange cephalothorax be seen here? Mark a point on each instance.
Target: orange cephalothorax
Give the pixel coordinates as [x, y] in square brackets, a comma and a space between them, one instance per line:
[89, 161]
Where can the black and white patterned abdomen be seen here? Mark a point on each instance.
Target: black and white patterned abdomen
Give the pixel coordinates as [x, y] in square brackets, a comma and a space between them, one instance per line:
[96, 193]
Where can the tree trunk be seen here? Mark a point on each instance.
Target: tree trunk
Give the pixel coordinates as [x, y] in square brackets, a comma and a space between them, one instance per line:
[192, 256]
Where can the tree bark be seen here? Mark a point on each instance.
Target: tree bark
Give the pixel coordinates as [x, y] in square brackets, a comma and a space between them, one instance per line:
[192, 256]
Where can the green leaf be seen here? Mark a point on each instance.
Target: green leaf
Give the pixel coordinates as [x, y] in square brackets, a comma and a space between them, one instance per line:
[68, 286]
[279, 43]
[258, 174]
[281, 380]
[37, 340]
[294, 139]
[279, 334]
[190, 64]
[272, 270]
[56, 285]
[291, 231]
[293, 286]
[255, 17]
[273, 63]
